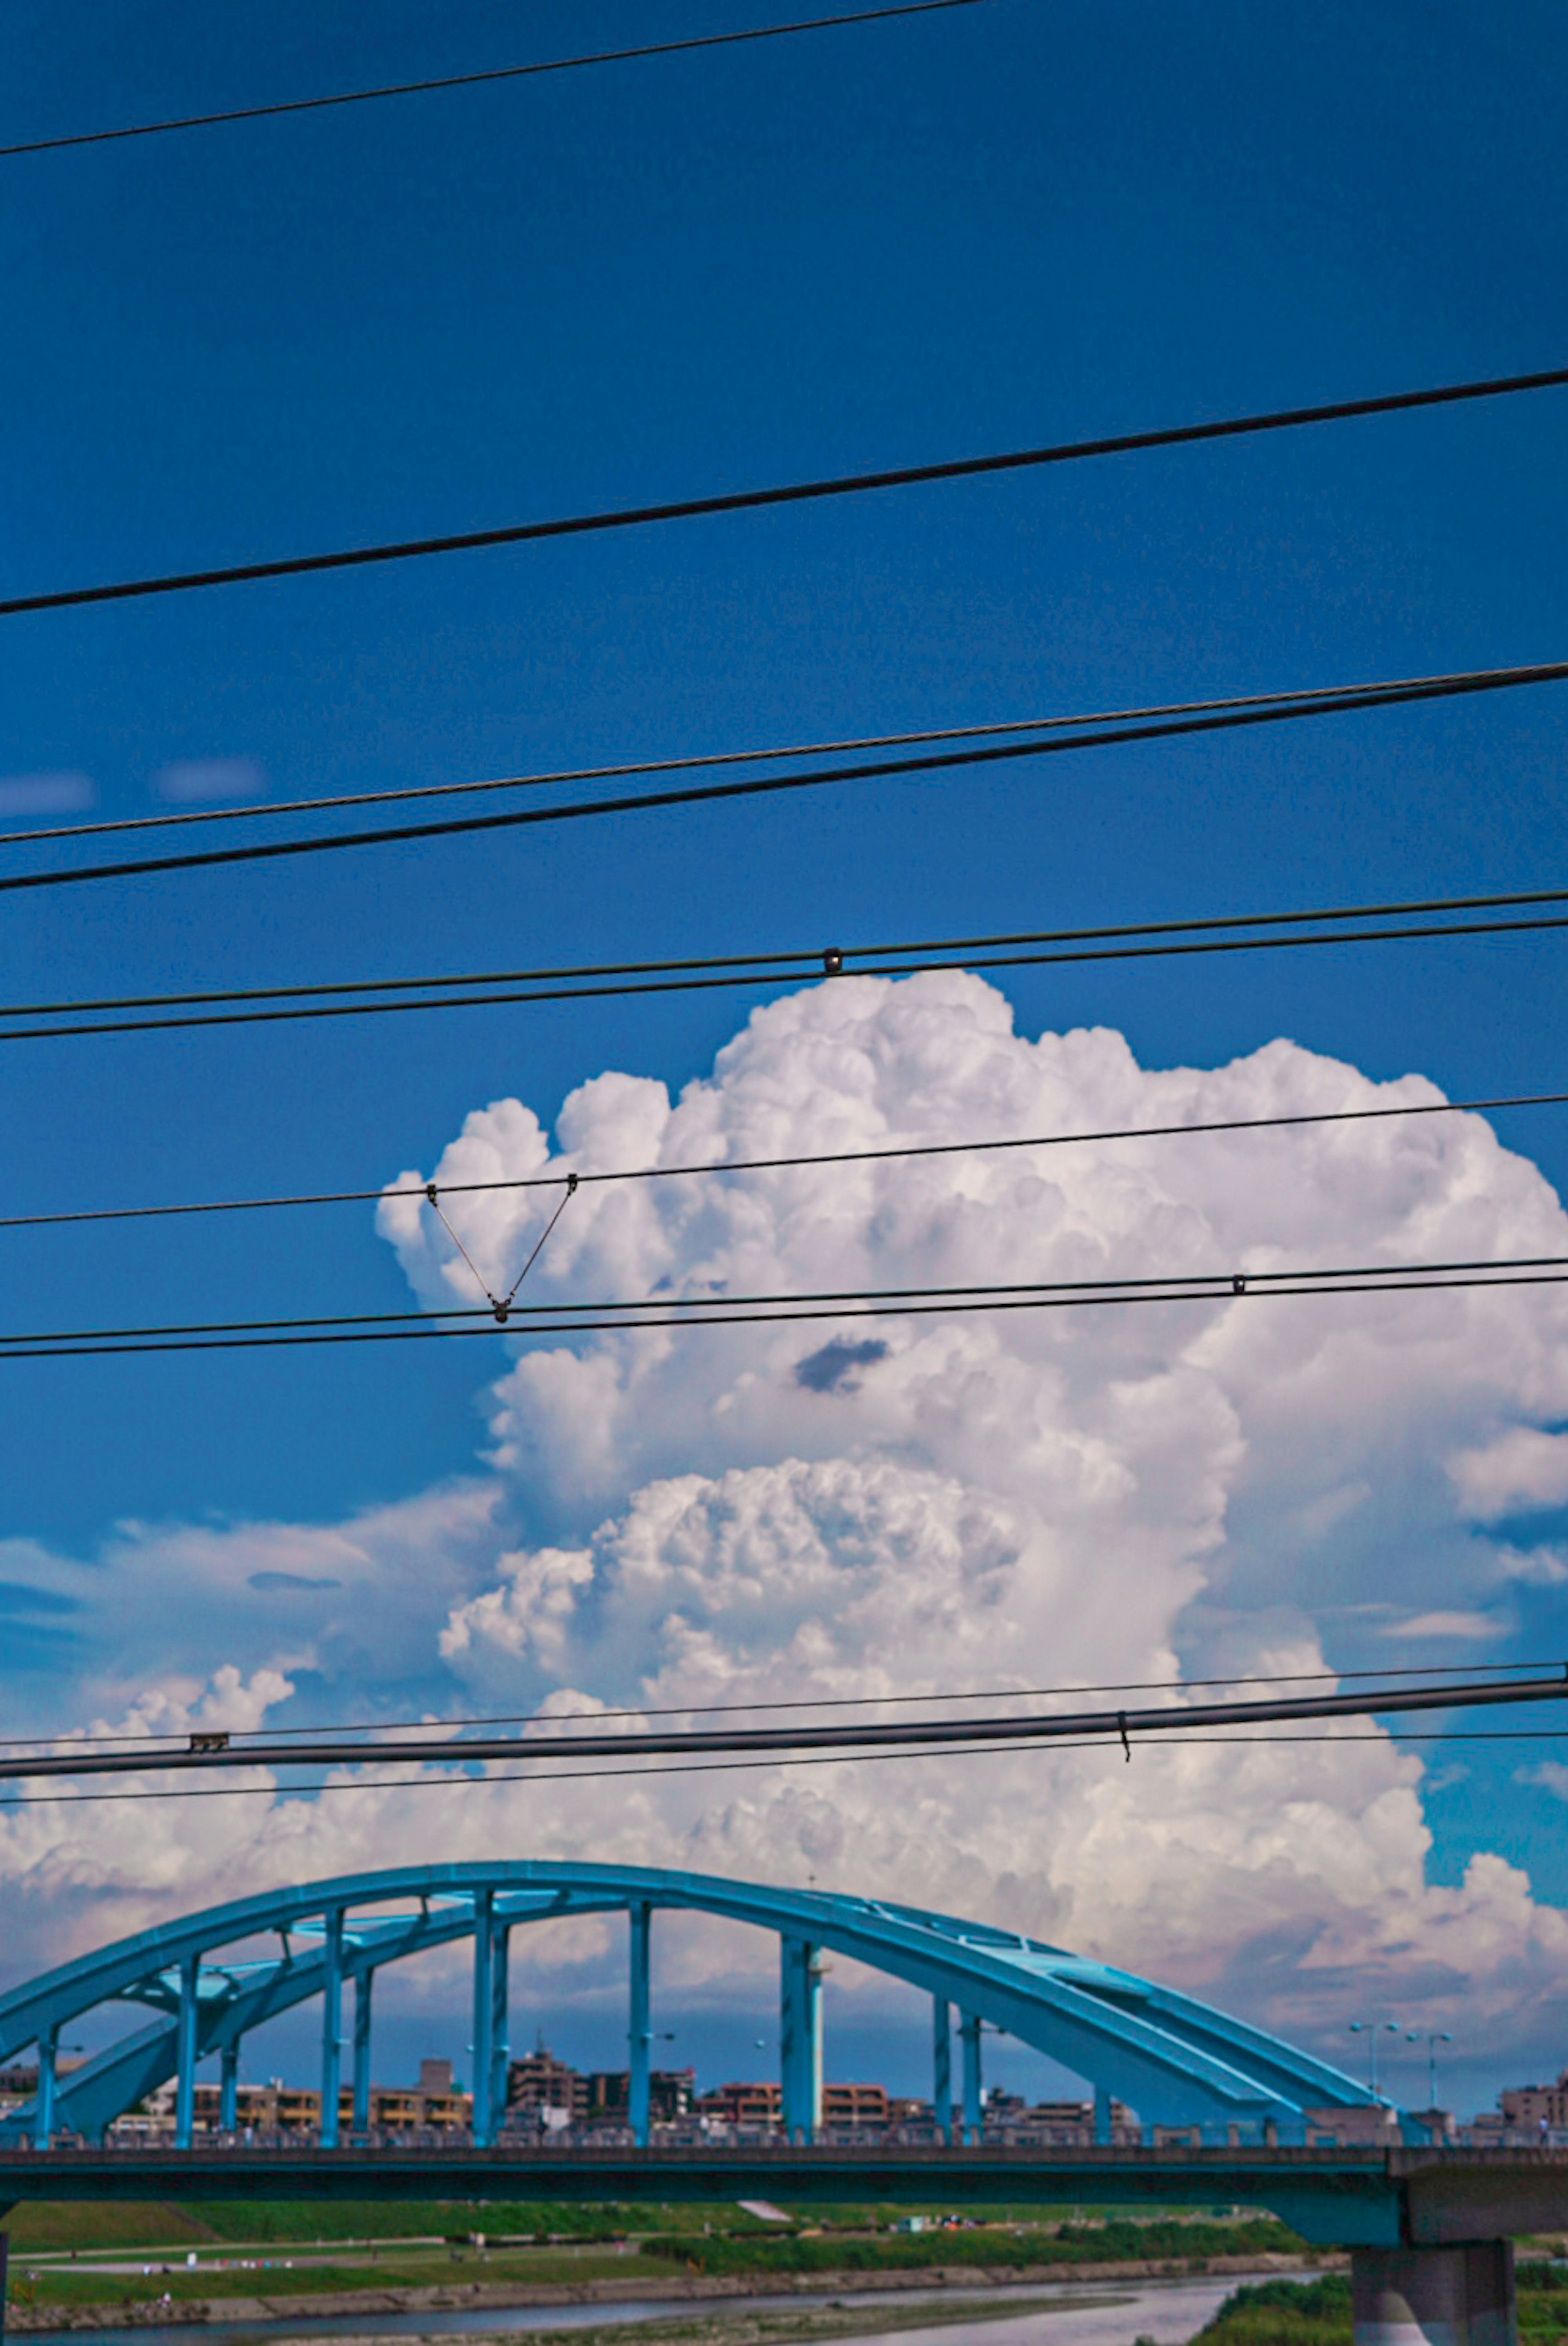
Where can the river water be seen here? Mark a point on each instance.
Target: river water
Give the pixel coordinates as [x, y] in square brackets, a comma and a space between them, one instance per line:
[1109, 2313]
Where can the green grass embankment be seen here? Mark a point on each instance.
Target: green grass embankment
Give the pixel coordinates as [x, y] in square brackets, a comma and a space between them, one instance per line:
[59, 2227]
[122, 2257]
[1283, 2313]
[278, 2276]
[1122, 2240]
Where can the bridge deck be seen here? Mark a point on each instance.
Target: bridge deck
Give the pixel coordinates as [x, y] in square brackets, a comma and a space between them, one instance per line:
[1342, 2198]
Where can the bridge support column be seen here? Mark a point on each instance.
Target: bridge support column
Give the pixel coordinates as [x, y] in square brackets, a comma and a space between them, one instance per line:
[332, 2027]
[48, 2058]
[941, 2065]
[969, 2026]
[483, 1958]
[228, 2090]
[1435, 2296]
[639, 2020]
[184, 2074]
[500, 2026]
[800, 2038]
[361, 2117]
[1103, 2115]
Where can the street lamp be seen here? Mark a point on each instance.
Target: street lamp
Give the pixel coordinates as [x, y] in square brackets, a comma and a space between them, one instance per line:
[1432, 2038]
[1371, 2030]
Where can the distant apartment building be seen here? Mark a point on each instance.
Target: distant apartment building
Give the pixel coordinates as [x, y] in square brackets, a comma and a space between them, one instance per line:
[672, 2094]
[744, 2105]
[278, 2109]
[545, 2093]
[19, 2079]
[540, 2082]
[546, 2090]
[854, 2105]
[1535, 2109]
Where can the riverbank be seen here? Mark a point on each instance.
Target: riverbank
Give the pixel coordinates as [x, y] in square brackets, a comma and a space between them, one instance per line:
[474, 2297]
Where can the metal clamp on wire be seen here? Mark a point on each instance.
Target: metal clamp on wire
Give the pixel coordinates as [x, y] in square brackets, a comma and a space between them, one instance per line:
[833, 962]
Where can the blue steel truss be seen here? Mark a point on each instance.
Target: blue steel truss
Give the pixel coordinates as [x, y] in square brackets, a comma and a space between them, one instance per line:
[1177, 2062]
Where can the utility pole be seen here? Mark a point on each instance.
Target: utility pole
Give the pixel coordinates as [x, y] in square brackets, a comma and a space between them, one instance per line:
[1432, 2038]
[1371, 2030]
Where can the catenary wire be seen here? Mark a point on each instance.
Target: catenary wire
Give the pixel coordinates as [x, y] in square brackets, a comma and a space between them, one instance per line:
[792, 493]
[1499, 678]
[564, 1319]
[380, 1783]
[764, 785]
[204, 1753]
[367, 1328]
[475, 80]
[775, 1164]
[618, 980]
[816, 1702]
[757, 978]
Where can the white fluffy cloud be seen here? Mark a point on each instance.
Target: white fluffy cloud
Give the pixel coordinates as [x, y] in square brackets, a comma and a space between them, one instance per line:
[1523, 1468]
[872, 1508]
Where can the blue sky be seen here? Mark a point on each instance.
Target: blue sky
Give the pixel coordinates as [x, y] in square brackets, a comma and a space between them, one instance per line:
[1005, 225]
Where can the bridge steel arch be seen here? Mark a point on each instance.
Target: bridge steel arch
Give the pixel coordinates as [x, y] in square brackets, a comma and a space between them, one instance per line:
[1177, 2061]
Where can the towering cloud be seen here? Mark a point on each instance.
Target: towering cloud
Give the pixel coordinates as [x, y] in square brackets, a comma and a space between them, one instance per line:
[862, 1509]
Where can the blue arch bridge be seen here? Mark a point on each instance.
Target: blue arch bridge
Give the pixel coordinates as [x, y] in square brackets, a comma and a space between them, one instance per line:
[1179, 2063]
[1429, 2227]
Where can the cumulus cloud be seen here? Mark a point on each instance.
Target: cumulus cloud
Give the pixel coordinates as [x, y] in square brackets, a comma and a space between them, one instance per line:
[63, 791]
[1466, 1626]
[834, 1509]
[1521, 1471]
[1549, 1774]
[354, 1605]
[189, 782]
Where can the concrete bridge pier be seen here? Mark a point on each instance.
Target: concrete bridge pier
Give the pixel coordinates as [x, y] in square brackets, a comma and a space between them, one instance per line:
[1460, 2296]
[228, 2089]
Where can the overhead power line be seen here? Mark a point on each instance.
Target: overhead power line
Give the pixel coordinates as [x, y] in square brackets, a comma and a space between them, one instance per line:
[380, 1782]
[813, 1702]
[893, 1152]
[1533, 910]
[474, 80]
[1374, 690]
[561, 1320]
[205, 1750]
[843, 485]
[1228, 716]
